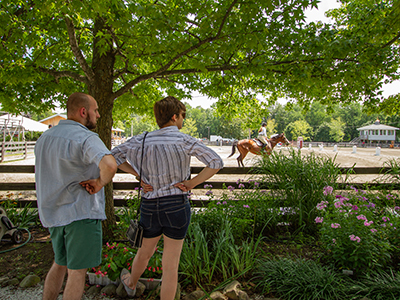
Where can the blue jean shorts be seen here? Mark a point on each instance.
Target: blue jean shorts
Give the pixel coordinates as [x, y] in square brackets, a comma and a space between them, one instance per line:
[168, 215]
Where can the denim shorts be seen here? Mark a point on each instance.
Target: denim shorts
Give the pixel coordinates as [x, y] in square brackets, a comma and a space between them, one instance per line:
[168, 215]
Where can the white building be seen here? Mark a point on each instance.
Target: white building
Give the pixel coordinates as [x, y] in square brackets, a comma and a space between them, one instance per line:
[377, 133]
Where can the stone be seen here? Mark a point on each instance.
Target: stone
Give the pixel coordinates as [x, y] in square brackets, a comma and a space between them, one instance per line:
[3, 279]
[243, 295]
[197, 294]
[121, 292]
[140, 287]
[93, 290]
[12, 281]
[232, 290]
[29, 281]
[218, 296]
[109, 290]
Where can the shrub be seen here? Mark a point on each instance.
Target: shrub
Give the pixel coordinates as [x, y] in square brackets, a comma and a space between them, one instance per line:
[356, 233]
[299, 279]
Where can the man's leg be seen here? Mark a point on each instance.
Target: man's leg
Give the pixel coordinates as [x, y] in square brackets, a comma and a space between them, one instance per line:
[75, 284]
[54, 281]
[170, 264]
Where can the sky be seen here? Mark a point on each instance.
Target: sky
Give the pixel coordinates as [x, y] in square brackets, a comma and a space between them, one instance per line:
[311, 15]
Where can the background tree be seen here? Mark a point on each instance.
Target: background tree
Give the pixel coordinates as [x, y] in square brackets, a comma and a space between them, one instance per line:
[298, 128]
[128, 54]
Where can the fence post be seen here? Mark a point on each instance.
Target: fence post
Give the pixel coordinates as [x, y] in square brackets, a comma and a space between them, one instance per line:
[2, 152]
[26, 149]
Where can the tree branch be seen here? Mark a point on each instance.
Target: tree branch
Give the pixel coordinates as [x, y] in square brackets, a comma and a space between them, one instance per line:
[392, 40]
[59, 74]
[77, 52]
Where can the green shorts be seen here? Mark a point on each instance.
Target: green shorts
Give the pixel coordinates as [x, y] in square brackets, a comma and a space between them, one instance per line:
[77, 245]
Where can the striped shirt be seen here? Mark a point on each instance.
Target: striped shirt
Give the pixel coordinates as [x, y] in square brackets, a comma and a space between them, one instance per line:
[166, 159]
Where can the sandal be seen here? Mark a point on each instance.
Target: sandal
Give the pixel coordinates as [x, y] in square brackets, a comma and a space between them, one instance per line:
[128, 290]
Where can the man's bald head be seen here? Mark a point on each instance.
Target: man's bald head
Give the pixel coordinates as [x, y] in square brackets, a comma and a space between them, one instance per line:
[75, 102]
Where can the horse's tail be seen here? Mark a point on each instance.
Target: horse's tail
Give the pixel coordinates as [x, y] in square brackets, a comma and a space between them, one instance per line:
[233, 148]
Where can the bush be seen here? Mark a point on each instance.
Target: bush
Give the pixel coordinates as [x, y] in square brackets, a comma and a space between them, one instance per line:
[357, 234]
[299, 279]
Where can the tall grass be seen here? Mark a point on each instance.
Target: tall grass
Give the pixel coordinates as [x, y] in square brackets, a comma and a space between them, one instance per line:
[299, 182]
[204, 259]
[299, 280]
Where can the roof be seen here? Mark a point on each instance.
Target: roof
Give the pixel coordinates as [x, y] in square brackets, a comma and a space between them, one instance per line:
[378, 126]
[64, 116]
[28, 124]
[117, 129]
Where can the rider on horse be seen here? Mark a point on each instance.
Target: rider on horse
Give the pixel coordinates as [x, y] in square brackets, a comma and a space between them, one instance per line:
[262, 134]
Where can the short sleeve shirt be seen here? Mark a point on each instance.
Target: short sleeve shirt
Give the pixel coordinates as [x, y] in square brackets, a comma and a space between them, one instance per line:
[65, 155]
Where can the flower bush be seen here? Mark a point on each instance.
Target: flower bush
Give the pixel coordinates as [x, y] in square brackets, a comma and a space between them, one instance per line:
[116, 257]
[357, 234]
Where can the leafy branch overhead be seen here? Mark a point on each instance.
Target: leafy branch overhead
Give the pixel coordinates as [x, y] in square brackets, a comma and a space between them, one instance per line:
[213, 47]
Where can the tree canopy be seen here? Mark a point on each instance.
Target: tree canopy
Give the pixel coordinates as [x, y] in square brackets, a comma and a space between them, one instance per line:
[127, 54]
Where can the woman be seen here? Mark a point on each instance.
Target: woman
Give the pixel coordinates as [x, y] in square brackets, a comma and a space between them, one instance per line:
[165, 210]
[262, 133]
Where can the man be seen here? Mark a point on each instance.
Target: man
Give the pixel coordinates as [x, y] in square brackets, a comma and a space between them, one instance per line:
[72, 167]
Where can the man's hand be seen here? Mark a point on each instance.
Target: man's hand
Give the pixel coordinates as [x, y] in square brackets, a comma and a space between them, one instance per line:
[92, 186]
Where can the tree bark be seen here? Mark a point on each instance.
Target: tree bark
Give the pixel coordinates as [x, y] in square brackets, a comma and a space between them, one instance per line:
[102, 91]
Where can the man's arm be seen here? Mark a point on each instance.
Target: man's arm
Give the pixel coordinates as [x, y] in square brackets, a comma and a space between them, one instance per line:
[108, 168]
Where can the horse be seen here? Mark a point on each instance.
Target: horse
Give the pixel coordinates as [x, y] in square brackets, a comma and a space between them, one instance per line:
[254, 146]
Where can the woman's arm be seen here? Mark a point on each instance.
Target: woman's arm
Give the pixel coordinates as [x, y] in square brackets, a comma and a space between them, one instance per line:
[205, 174]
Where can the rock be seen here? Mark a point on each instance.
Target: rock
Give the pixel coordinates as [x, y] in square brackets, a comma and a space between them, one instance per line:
[218, 296]
[3, 279]
[121, 292]
[109, 290]
[243, 295]
[29, 281]
[194, 295]
[93, 290]
[13, 281]
[232, 290]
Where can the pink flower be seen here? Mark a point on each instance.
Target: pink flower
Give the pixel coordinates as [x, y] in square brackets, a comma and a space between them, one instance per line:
[328, 190]
[335, 225]
[385, 219]
[373, 230]
[319, 219]
[354, 238]
[362, 217]
[366, 223]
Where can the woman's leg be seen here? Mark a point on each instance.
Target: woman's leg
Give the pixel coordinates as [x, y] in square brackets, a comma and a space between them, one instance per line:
[170, 264]
[141, 260]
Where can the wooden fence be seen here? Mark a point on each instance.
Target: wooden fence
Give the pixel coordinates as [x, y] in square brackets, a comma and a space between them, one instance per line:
[217, 185]
[15, 150]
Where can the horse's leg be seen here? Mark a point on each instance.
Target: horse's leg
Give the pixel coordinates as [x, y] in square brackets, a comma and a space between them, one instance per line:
[243, 153]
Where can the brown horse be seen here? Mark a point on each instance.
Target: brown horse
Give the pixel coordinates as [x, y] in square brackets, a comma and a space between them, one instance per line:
[254, 146]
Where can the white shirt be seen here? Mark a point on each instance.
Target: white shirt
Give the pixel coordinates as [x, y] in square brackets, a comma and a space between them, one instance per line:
[263, 131]
[166, 159]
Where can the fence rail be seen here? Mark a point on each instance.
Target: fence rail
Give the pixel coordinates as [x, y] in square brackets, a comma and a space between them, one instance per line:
[15, 150]
[218, 185]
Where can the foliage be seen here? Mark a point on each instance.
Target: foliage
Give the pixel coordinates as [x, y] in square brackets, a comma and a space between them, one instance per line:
[115, 258]
[190, 128]
[380, 285]
[298, 183]
[358, 234]
[298, 128]
[204, 258]
[299, 279]
[21, 217]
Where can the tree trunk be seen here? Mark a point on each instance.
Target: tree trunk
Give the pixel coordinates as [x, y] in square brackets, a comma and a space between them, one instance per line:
[102, 91]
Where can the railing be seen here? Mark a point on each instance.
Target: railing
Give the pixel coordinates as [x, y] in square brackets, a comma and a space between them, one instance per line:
[217, 185]
[15, 150]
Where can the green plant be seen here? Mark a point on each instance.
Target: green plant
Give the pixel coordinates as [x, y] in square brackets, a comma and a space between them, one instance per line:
[205, 258]
[297, 183]
[115, 257]
[20, 217]
[356, 233]
[299, 280]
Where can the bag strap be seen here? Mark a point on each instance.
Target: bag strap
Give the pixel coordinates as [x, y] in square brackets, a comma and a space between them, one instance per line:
[140, 175]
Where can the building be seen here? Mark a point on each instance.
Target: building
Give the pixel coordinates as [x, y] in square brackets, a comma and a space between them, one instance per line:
[53, 120]
[377, 133]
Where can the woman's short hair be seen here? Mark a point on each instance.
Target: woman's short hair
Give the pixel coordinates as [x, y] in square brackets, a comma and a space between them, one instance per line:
[263, 124]
[166, 108]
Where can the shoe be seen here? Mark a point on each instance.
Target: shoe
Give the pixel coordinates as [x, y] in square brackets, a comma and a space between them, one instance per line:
[128, 290]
